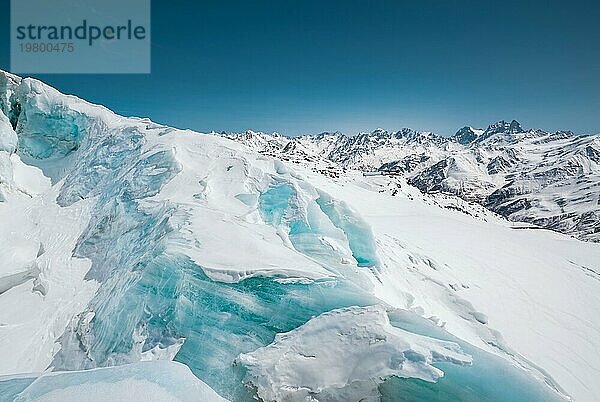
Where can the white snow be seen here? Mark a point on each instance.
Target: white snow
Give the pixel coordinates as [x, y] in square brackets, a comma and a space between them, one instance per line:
[549, 179]
[224, 234]
[536, 291]
[37, 307]
[343, 353]
[530, 296]
[41, 283]
[158, 381]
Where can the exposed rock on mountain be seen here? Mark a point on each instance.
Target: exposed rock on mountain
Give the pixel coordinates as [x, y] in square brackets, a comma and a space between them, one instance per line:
[548, 179]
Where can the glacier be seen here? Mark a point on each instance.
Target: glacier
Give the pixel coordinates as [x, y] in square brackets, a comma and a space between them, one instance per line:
[127, 244]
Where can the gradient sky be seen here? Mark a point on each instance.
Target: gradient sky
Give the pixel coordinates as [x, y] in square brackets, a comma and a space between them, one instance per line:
[312, 66]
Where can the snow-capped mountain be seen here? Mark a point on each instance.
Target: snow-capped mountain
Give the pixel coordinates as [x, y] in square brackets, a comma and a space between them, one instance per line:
[138, 261]
[551, 180]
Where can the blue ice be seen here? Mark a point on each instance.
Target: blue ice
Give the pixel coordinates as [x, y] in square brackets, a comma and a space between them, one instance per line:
[280, 206]
[359, 233]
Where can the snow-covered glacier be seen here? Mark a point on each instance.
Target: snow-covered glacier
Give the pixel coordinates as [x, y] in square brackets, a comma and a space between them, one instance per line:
[126, 244]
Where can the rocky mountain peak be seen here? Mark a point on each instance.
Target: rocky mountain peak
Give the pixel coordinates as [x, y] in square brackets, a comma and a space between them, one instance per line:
[467, 135]
[504, 127]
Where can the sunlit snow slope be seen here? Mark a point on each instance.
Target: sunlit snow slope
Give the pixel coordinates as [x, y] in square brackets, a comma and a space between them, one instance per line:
[124, 241]
[550, 180]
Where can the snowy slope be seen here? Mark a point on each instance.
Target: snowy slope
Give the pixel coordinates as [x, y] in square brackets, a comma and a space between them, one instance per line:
[124, 241]
[551, 180]
[487, 282]
[147, 381]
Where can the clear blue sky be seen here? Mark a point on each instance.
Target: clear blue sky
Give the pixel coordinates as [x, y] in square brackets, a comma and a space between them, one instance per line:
[311, 66]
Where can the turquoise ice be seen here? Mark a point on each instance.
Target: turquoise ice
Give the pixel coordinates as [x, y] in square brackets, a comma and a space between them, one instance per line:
[307, 221]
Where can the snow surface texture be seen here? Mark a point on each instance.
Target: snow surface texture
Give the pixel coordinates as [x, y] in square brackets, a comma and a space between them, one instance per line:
[344, 352]
[156, 381]
[484, 281]
[126, 241]
[551, 180]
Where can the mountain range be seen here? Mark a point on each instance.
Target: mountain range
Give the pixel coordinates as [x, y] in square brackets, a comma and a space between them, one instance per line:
[548, 179]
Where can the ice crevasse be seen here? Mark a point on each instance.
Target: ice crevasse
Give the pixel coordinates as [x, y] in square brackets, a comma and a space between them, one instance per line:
[138, 242]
